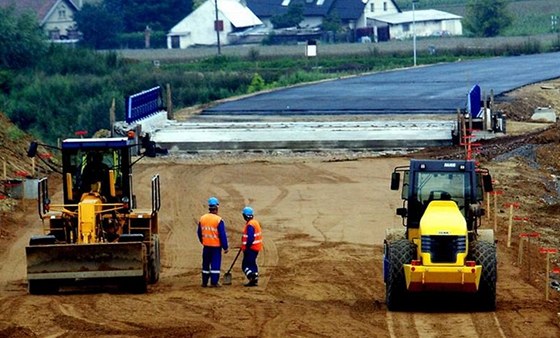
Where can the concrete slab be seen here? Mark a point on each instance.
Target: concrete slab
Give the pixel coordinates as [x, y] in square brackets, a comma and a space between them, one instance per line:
[373, 135]
[544, 114]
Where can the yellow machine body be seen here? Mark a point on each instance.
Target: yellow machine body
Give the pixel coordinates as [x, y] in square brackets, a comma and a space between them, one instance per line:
[97, 233]
[442, 248]
[442, 225]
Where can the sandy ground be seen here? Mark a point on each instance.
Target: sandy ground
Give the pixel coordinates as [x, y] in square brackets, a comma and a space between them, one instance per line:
[324, 221]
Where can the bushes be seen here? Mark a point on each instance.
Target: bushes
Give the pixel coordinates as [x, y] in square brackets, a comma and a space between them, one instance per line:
[72, 89]
[158, 39]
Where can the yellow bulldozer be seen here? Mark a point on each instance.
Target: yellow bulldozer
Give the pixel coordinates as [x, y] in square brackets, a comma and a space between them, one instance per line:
[442, 248]
[97, 234]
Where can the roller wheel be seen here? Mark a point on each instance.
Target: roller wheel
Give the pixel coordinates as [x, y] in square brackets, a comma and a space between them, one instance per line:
[398, 253]
[484, 253]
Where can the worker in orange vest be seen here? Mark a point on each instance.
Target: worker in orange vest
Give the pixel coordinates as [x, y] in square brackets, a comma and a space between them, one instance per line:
[251, 244]
[212, 235]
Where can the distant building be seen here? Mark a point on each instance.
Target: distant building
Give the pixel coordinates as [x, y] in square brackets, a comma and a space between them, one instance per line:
[234, 20]
[429, 22]
[377, 20]
[56, 17]
[352, 13]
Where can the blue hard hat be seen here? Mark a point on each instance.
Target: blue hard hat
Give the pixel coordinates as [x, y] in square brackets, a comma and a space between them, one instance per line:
[213, 201]
[247, 211]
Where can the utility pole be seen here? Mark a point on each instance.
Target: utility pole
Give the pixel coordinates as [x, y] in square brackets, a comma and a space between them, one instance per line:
[413, 31]
[217, 27]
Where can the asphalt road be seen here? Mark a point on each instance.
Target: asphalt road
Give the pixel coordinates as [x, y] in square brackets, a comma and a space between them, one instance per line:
[433, 89]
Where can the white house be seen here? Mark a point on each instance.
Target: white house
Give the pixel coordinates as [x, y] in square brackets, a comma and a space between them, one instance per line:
[353, 13]
[375, 8]
[429, 22]
[198, 27]
[56, 17]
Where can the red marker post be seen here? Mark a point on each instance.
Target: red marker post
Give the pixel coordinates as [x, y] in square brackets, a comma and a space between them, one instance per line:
[496, 193]
[548, 252]
[81, 133]
[510, 224]
[21, 173]
[527, 236]
[494, 182]
[46, 156]
[522, 238]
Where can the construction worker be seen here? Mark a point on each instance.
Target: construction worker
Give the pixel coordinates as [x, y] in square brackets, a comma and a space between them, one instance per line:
[251, 244]
[212, 235]
[95, 171]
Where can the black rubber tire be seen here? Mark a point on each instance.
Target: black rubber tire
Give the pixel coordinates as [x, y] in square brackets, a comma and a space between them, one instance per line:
[484, 253]
[154, 260]
[136, 285]
[399, 252]
[42, 286]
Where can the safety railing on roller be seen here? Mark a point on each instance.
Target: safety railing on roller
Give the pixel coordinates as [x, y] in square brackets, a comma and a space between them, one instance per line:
[156, 194]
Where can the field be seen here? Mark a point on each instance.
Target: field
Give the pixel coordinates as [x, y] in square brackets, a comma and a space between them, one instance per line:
[423, 48]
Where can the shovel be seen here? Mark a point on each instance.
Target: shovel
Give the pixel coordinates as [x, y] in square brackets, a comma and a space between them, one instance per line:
[227, 276]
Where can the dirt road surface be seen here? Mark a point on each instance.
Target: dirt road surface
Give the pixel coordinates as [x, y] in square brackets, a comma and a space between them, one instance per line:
[324, 221]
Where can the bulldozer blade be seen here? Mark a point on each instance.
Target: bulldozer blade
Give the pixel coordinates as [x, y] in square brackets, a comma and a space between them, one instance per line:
[82, 261]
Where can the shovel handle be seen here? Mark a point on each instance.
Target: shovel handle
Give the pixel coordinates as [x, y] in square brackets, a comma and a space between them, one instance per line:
[234, 260]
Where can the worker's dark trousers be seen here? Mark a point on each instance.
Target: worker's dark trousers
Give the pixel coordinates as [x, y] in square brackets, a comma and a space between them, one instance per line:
[211, 263]
[249, 264]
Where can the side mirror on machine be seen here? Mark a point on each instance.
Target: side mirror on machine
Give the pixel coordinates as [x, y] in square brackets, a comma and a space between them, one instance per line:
[32, 151]
[403, 212]
[395, 180]
[487, 183]
[476, 210]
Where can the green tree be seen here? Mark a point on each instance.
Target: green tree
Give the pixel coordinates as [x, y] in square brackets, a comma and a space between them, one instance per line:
[100, 25]
[487, 18]
[23, 42]
[158, 15]
[291, 18]
[257, 84]
[332, 23]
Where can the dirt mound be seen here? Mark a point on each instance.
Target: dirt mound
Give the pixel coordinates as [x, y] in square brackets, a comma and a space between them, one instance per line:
[520, 104]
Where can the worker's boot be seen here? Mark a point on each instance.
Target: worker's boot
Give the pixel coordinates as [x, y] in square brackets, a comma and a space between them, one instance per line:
[253, 280]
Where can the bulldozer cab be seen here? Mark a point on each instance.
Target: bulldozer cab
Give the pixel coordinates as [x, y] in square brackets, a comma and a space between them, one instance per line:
[96, 165]
[427, 180]
[98, 233]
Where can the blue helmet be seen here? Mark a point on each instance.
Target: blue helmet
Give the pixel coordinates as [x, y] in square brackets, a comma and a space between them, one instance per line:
[247, 211]
[213, 202]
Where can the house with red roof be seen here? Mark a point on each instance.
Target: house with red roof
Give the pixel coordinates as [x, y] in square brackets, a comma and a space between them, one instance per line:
[56, 17]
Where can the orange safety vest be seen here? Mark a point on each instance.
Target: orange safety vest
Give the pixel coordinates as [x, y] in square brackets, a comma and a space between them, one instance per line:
[257, 242]
[209, 229]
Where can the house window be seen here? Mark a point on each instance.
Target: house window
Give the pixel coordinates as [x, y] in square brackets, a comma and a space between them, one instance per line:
[384, 6]
[406, 27]
[285, 3]
[372, 7]
[62, 14]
